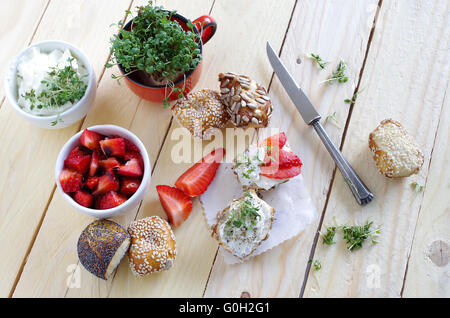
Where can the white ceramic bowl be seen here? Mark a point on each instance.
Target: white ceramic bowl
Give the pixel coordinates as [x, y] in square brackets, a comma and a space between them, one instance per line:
[71, 115]
[134, 200]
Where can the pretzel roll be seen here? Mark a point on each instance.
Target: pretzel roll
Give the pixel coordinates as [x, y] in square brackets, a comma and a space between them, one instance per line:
[153, 246]
[201, 113]
[247, 102]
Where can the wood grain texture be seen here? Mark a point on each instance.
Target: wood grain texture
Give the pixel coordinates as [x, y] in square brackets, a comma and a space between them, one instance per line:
[115, 104]
[335, 30]
[30, 152]
[428, 273]
[196, 248]
[19, 22]
[405, 78]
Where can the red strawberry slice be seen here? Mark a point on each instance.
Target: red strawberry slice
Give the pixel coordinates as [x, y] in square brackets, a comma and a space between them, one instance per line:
[281, 173]
[78, 160]
[92, 183]
[278, 140]
[94, 163]
[128, 186]
[176, 204]
[90, 139]
[70, 180]
[134, 155]
[107, 182]
[286, 165]
[111, 200]
[197, 179]
[113, 147]
[83, 198]
[131, 168]
[109, 164]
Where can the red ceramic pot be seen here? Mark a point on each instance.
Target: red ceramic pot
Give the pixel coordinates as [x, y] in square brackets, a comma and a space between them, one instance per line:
[205, 27]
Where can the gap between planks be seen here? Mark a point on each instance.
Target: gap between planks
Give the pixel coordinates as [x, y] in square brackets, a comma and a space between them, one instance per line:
[423, 193]
[38, 228]
[347, 123]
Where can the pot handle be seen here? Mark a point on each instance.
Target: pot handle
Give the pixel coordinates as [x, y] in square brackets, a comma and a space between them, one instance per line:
[207, 27]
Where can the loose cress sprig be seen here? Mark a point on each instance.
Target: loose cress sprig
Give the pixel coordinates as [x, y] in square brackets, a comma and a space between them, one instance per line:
[333, 119]
[417, 187]
[354, 235]
[321, 63]
[339, 74]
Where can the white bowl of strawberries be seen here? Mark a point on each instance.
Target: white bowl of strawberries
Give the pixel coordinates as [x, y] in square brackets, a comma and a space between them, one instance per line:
[103, 171]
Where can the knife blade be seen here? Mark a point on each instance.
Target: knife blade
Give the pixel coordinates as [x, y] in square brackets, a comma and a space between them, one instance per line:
[300, 100]
[310, 115]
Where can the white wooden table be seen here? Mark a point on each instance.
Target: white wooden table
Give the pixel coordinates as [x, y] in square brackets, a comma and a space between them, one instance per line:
[397, 53]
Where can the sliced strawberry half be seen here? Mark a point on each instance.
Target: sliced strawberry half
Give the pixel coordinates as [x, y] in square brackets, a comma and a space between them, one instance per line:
[197, 179]
[109, 164]
[92, 183]
[90, 139]
[128, 186]
[83, 198]
[131, 168]
[111, 200]
[93, 167]
[78, 160]
[113, 147]
[70, 180]
[107, 182]
[176, 204]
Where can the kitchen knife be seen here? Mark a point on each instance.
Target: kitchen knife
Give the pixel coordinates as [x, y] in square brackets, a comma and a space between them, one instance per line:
[311, 117]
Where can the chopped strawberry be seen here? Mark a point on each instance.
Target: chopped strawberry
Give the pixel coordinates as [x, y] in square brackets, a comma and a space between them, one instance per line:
[131, 168]
[83, 198]
[286, 165]
[176, 204]
[70, 180]
[113, 147]
[197, 179]
[128, 186]
[129, 146]
[107, 182]
[134, 155]
[109, 164]
[90, 139]
[78, 160]
[94, 163]
[92, 183]
[111, 200]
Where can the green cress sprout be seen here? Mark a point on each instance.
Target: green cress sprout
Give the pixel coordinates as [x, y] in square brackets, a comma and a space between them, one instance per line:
[321, 63]
[157, 46]
[339, 74]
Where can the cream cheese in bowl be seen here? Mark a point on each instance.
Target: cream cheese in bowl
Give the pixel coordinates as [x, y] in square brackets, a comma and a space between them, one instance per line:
[51, 84]
[36, 75]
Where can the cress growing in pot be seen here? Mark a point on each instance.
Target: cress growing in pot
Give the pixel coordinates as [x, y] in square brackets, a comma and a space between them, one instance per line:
[157, 47]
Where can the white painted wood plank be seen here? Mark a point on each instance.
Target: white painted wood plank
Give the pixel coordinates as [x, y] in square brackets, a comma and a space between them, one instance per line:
[335, 30]
[405, 78]
[428, 272]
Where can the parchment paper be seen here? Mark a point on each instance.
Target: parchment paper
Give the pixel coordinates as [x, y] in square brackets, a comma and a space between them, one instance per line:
[294, 210]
